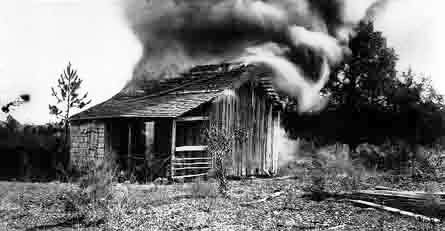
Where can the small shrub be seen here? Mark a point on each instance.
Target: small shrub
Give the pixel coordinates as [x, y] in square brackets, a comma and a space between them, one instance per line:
[429, 164]
[346, 175]
[370, 156]
[80, 169]
[317, 185]
[98, 181]
[91, 200]
[331, 170]
[73, 199]
[84, 211]
[199, 188]
[393, 157]
[219, 146]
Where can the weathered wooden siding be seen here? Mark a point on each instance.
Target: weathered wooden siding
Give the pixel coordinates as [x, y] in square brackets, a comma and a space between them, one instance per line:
[87, 142]
[247, 108]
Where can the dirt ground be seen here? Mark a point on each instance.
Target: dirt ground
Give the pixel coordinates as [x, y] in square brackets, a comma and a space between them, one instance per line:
[190, 206]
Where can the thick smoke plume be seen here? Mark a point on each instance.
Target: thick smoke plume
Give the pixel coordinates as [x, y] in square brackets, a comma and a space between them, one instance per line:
[300, 40]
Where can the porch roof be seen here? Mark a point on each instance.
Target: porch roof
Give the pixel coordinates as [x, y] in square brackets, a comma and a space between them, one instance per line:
[173, 97]
[171, 105]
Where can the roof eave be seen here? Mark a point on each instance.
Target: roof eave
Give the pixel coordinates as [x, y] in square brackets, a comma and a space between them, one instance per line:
[120, 116]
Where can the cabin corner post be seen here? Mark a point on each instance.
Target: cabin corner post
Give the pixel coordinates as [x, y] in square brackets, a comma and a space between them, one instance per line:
[173, 148]
[130, 128]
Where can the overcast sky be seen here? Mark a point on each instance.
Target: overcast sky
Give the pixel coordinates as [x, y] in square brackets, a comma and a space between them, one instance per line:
[39, 37]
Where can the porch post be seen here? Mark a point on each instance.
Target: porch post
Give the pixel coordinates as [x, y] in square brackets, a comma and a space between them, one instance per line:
[129, 147]
[173, 147]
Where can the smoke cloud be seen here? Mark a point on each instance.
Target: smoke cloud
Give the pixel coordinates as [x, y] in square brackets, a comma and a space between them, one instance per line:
[178, 34]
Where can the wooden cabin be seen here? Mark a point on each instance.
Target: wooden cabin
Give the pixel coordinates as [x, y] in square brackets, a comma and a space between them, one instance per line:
[162, 129]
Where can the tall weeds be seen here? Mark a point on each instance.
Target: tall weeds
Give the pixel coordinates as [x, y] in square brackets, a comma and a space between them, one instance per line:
[91, 197]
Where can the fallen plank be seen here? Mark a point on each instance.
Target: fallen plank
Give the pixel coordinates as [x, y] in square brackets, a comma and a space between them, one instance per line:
[430, 204]
[411, 194]
[273, 195]
[394, 210]
[425, 203]
[339, 227]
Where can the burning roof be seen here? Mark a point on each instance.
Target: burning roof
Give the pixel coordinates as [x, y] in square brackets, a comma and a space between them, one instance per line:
[298, 41]
[280, 34]
[175, 96]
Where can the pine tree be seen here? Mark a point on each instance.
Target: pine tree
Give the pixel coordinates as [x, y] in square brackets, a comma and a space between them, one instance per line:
[68, 97]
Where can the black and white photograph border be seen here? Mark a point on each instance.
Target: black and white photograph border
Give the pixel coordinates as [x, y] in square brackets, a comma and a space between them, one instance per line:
[222, 115]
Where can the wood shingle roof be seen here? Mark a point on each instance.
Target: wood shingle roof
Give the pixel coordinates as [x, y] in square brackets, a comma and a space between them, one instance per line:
[173, 97]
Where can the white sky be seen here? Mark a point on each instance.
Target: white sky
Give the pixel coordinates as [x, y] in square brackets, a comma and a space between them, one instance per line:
[39, 37]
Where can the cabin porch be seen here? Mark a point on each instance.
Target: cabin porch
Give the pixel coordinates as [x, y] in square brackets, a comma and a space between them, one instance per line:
[160, 147]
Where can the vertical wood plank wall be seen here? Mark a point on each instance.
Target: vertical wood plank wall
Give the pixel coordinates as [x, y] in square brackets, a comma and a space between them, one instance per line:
[249, 109]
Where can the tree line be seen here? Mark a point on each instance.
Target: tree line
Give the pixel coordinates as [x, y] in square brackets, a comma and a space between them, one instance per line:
[41, 152]
[371, 102]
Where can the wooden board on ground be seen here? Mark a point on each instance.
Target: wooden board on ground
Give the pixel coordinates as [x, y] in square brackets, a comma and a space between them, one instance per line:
[429, 204]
